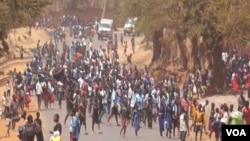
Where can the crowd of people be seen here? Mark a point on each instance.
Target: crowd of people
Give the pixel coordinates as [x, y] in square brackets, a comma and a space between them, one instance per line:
[92, 82]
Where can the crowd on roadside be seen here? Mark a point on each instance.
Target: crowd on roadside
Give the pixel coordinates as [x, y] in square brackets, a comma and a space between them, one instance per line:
[92, 82]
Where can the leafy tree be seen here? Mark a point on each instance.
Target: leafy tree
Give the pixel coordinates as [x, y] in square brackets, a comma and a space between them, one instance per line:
[3, 19]
[215, 21]
[16, 13]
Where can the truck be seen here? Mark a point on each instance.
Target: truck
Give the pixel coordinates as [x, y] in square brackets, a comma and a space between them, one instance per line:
[105, 29]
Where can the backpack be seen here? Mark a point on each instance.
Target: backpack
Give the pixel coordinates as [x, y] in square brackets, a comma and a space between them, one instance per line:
[29, 130]
[37, 126]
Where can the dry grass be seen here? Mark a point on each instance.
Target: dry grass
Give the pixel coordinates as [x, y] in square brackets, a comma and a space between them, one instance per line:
[20, 37]
[140, 58]
[13, 133]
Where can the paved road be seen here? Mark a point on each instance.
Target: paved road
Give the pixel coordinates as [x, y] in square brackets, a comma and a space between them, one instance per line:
[110, 132]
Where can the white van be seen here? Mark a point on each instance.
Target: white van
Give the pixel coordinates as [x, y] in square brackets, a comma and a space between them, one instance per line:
[105, 29]
[129, 26]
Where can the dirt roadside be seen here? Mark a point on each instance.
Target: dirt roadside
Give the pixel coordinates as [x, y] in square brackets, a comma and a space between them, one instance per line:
[18, 38]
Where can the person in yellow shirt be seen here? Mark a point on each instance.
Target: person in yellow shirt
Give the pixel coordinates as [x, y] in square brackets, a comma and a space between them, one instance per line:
[193, 111]
[193, 108]
[56, 136]
[199, 122]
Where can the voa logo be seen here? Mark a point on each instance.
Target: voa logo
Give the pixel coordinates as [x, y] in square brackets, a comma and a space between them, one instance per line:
[236, 132]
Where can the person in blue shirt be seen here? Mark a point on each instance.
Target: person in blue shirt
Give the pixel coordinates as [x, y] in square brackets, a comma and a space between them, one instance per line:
[74, 126]
[139, 100]
[114, 107]
[119, 99]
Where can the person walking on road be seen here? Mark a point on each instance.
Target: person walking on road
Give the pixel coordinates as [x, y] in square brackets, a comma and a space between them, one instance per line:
[58, 125]
[95, 115]
[104, 103]
[30, 129]
[5, 101]
[114, 106]
[125, 118]
[8, 88]
[246, 113]
[184, 130]
[114, 112]
[82, 117]
[121, 39]
[169, 120]
[14, 111]
[60, 94]
[69, 103]
[74, 126]
[39, 91]
[8, 120]
[38, 121]
[161, 115]
[133, 44]
[199, 122]
[136, 120]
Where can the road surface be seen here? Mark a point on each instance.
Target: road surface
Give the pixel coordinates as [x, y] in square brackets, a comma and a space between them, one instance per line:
[110, 132]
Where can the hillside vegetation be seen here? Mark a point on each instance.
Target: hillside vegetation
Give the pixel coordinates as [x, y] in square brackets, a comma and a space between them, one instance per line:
[195, 32]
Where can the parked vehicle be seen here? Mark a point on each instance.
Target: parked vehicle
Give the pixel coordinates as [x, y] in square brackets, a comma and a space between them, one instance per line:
[129, 26]
[105, 29]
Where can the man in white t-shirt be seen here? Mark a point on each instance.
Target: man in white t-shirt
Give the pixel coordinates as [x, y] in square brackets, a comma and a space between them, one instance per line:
[80, 81]
[204, 104]
[5, 100]
[39, 91]
[8, 87]
[224, 56]
[104, 110]
[184, 127]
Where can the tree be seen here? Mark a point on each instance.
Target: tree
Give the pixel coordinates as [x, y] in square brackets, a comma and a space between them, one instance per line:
[32, 9]
[213, 21]
[3, 19]
[151, 21]
[16, 13]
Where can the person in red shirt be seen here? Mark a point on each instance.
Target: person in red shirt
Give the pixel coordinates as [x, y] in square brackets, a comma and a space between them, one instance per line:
[96, 86]
[246, 113]
[235, 84]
